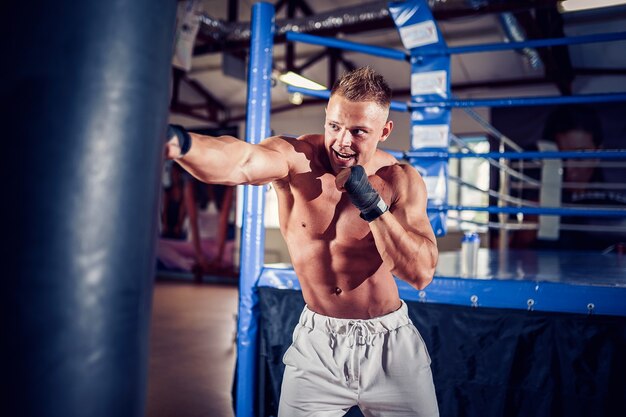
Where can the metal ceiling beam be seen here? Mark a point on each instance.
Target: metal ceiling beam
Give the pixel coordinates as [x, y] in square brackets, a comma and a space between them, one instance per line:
[335, 57]
[304, 7]
[189, 111]
[233, 10]
[279, 5]
[215, 109]
[218, 36]
[290, 47]
[547, 23]
[312, 60]
[451, 8]
[333, 61]
[550, 23]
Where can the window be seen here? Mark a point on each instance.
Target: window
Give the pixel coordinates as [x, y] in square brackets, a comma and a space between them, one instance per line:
[467, 177]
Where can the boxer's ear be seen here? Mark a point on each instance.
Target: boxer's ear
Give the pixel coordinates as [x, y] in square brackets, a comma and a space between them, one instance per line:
[386, 131]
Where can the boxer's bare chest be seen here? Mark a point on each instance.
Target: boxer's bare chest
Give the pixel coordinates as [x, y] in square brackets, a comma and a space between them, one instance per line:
[313, 209]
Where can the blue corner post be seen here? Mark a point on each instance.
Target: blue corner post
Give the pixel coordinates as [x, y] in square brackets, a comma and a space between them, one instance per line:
[430, 81]
[253, 232]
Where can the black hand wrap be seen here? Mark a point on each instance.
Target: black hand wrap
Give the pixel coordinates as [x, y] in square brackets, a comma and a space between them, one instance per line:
[184, 139]
[363, 195]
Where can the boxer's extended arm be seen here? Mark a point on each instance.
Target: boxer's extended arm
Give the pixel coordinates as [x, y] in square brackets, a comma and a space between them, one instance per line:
[230, 161]
[403, 235]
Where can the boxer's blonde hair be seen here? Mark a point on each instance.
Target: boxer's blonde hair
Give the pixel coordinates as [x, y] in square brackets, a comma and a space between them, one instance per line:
[363, 84]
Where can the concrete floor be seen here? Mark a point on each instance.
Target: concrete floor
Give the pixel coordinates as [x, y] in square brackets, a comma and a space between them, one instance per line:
[192, 350]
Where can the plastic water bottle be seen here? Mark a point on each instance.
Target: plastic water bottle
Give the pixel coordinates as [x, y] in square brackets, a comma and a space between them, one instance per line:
[469, 254]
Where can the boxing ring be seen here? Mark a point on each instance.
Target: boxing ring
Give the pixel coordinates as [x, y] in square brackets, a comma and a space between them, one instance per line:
[532, 333]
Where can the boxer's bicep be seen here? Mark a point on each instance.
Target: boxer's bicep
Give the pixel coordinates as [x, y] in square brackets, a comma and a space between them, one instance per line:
[409, 207]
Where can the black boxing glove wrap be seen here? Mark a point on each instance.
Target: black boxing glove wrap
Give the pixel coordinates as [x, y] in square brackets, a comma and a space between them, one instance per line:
[184, 139]
[363, 195]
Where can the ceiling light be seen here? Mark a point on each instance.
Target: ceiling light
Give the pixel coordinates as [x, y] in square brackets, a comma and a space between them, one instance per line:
[297, 80]
[577, 5]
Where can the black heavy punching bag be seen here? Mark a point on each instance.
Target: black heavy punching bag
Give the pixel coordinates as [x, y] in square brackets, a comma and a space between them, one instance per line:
[83, 105]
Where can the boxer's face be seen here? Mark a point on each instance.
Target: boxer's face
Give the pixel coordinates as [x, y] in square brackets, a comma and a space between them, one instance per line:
[352, 130]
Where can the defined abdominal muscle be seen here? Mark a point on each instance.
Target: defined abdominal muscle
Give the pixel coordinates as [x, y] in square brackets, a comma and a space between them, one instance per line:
[343, 281]
[335, 262]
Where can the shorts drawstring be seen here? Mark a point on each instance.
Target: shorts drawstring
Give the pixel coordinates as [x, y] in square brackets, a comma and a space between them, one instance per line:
[359, 333]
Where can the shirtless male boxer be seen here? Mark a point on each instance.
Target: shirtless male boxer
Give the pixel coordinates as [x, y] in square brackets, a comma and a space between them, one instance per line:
[351, 216]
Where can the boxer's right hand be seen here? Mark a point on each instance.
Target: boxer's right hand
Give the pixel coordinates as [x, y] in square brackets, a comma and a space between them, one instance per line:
[178, 142]
[355, 182]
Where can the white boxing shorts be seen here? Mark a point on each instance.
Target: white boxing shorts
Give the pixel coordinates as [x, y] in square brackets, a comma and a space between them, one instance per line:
[379, 364]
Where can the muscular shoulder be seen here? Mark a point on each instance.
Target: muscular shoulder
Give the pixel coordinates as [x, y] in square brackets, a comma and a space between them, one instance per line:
[298, 152]
[313, 141]
[404, 180]
[290, 145]
[405, 171]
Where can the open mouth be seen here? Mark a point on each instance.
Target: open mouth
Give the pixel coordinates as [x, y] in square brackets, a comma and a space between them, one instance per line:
[344, 156]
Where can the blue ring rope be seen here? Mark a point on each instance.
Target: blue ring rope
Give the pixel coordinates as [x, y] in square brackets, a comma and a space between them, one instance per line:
[548, 211]
[607, 154]
[488, 47]
[348, 46]
[535, 43]
[523, 101]
[509, 102]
